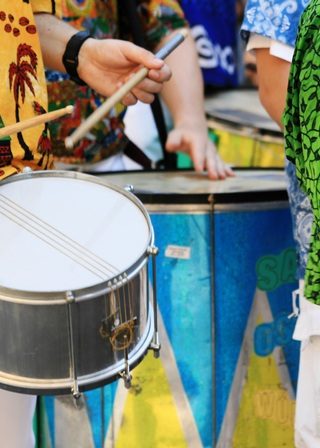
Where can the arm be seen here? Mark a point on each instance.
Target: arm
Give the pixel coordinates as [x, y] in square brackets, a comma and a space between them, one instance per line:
[104, 64]
[273, 75]
[184, 96]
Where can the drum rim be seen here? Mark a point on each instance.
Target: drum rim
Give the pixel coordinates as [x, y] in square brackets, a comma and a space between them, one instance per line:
[37, 297]
[63, 297]
[206, 198]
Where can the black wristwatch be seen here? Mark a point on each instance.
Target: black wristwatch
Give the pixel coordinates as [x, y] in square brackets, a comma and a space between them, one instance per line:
[70, 56]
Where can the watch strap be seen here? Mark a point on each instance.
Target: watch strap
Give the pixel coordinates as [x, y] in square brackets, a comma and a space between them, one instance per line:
[70, 57]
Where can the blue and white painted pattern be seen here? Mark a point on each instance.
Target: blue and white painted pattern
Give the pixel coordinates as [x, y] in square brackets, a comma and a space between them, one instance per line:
[276, 19]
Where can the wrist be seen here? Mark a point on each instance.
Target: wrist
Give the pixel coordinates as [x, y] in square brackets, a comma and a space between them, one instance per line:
[194, 122]
[70, 57]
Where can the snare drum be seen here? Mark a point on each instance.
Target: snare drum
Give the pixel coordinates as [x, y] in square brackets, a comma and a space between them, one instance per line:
[74, 307]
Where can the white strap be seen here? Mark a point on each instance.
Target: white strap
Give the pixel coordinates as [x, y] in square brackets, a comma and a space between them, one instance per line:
[295, 307]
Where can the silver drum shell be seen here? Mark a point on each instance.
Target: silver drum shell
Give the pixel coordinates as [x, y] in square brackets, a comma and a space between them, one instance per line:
[35, 346]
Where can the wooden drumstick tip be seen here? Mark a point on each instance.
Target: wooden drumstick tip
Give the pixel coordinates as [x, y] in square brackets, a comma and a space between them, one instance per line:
[184, 32]
[68, 143]
[69, 109]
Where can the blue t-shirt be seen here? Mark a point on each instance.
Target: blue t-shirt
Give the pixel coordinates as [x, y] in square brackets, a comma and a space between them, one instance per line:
[276, 19]
[213, 27]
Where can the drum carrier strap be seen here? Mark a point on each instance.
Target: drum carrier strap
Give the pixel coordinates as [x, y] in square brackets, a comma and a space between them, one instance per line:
[129, 21]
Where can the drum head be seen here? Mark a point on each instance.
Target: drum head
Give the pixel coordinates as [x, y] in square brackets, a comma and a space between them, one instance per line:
[242, 109]
[66, 231]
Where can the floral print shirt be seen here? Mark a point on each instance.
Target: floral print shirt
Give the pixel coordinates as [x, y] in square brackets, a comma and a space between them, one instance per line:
[277, 19]
[22, 89]
[104, 19]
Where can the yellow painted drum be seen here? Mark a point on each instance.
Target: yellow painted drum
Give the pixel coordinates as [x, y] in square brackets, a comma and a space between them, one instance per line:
[243, 132]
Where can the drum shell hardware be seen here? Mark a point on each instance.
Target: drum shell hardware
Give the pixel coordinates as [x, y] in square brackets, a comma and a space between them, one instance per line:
[79, 338]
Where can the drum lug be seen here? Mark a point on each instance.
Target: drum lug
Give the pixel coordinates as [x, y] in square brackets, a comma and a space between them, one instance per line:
[153, 250]
[155, 344]
[127, 378]
[129, 188]
[78, 401]
[125, 374]
[26, 169]
[76, 394]
[70, 299]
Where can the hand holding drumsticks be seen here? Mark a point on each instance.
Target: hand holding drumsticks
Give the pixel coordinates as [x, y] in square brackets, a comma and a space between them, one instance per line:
[100, 113]
[124, 90]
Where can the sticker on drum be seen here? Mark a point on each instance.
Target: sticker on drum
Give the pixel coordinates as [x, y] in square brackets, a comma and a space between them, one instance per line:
[74, 299]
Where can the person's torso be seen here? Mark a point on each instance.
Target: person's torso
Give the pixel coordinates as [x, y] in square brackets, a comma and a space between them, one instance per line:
[22, 89]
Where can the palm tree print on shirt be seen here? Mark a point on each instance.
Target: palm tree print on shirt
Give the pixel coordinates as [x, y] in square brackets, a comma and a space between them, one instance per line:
[20, 73]
[44, 146]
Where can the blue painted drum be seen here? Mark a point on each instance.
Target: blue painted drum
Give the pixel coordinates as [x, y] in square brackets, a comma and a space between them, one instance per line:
[256, 359]
[227, 369]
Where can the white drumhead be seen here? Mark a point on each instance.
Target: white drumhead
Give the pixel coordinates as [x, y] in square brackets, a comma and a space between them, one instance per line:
[63, 233]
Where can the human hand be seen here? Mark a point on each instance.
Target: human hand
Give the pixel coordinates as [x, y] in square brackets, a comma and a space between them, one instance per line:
[107, 63]
[194, 140]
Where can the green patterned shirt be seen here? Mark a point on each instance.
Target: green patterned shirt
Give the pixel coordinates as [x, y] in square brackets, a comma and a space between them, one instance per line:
[302, 130]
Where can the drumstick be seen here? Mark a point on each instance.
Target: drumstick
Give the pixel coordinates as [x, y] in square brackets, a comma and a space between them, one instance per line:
[102, 111]
[35, 121]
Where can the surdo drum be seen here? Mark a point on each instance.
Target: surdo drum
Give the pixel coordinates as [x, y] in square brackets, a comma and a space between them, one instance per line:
[74, 287]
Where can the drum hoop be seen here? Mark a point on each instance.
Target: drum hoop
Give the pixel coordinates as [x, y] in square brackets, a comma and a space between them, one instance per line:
[263, 135]
[59, 297]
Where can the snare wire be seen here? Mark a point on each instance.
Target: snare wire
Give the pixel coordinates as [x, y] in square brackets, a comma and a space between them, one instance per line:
[130, 298]
[56, 239]
[120, 307]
